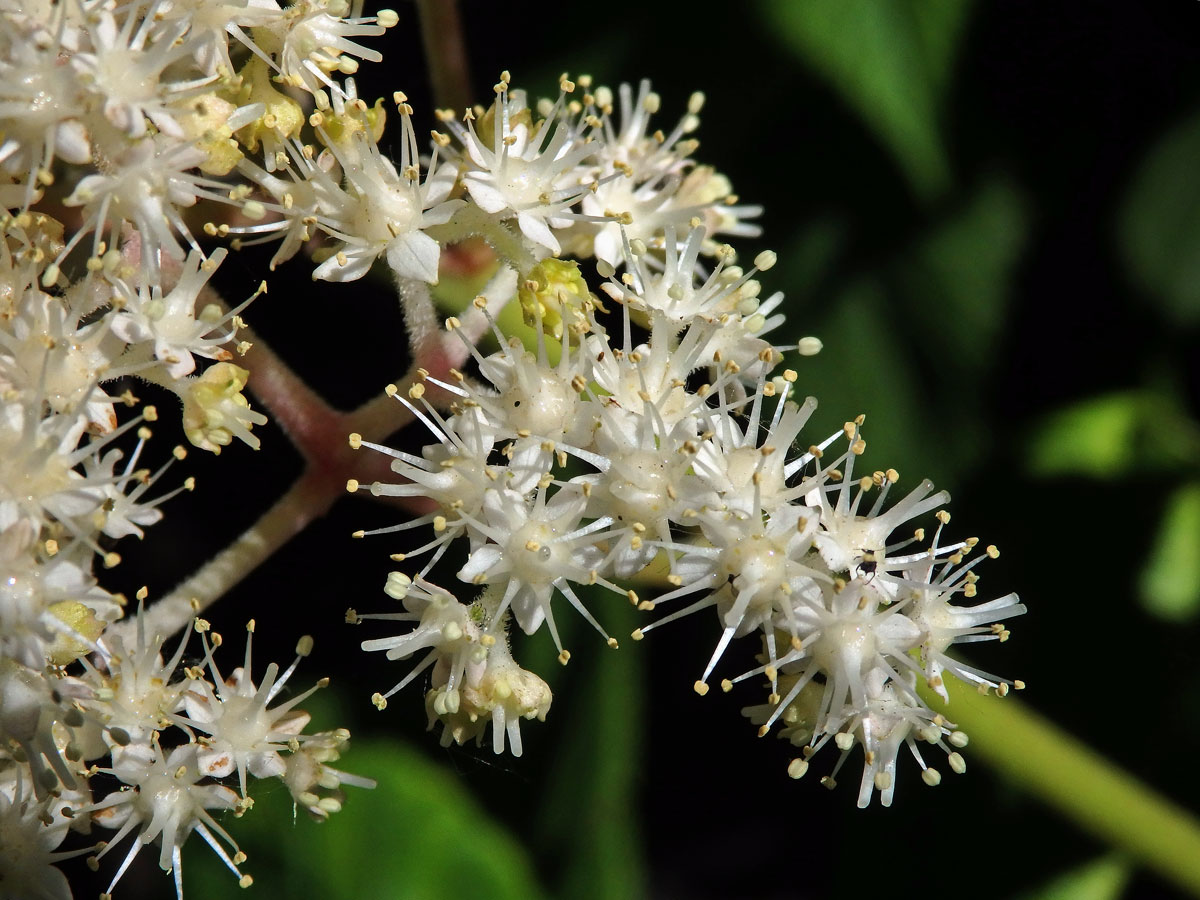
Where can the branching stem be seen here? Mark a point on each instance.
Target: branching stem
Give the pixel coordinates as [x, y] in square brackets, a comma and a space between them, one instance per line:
[319, 433]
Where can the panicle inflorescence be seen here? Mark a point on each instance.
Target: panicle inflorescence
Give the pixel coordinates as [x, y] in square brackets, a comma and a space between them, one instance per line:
[129, 133]
[641, 429]
[646, 430]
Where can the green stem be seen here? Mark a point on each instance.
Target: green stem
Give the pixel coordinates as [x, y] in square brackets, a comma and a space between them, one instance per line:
[1080, 783]
[470, 221]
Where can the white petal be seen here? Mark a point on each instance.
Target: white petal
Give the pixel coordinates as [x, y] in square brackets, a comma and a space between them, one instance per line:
[358, 263]
[71, 142]
[485, 195]
[480, 562]
[439, 184]
[536, 230]
[415, 255]
[440, 214]
[129, 329]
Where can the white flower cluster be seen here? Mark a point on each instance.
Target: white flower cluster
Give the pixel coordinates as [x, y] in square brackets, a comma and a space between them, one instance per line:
[119, 122]
[647, 432]
[67, 494]
[660, 441]
[169, 735]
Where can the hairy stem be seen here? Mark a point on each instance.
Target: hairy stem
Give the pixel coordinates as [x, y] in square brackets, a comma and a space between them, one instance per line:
[290, 514]
[319, 433]
[295, 407]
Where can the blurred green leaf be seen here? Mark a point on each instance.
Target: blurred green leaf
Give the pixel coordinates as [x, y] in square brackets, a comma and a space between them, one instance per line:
[1094, 437]
[1169, 585]
[1101, 879]
[465, 271]
[1159, 227]
[417, 836]
[863, 369]
[809, 258]
[891, 60]
[959, 277]
[1111, 435]
[589, 815]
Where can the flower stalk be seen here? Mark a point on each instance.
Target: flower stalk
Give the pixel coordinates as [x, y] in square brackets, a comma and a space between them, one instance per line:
[1066, 774]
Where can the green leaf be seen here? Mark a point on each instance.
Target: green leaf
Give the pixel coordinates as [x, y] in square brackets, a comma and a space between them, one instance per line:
[1101, 879]
[465, 271]
[588, 816]
[1111, 435]
[889, 59]
[417, 836]
[1169, 585]
[863, 369]
[810, 256]
[1159, 227]
[960, 276]
[1094, 437]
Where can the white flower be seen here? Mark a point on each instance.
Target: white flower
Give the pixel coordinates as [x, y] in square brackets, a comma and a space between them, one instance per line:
[292, 218]
[28, 839]
[316, 41]
[632, 146]
[244, 732]
[125, 68]
[381, 212]
[851, 534]
[211, 23]
[536, 405]
[755, 570]
[534, 400]
[499, 693]
[649, 380]
[314, 783]
[932, 585]
[135, 691]
[145, 186]
[670, 282]
[32, 708]
[534, 548]
[657, 189]
[171, 321]
[454, 473]
[124, 512]
[41, 105]
[39, 480]
[53, 350]
[852, 645]
[748, 462]
[526, 169]
[215, 411]
[647, 488]
[889, 721]
[851, 676]
[167, 803]
[447, 629]
[50, 609]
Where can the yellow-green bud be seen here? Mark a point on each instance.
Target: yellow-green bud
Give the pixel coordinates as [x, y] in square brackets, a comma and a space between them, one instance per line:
[215, 411]
[340, 129]
[553, 292]
[283, 117]
[203, 120]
